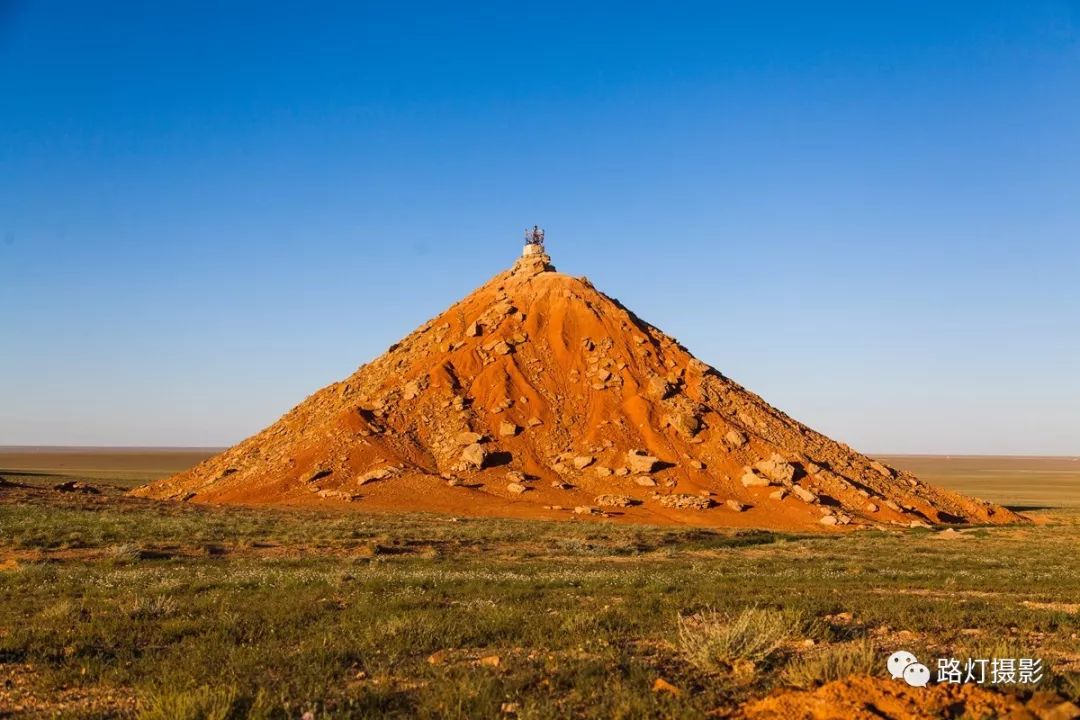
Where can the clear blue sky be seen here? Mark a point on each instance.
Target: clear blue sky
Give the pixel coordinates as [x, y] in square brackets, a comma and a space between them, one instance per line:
[868, 213]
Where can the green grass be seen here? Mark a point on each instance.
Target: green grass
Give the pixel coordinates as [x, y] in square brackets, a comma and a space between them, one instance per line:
[122, 607]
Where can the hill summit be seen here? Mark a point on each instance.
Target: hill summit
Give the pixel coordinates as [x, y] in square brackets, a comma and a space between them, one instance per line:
[539, 396]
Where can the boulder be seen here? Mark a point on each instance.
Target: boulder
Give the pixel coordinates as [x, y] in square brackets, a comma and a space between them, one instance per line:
[660, 388]
[586, 510]
[516, 488]
[473, 330]
[881, 469]
[778, 494]
[411, 390]
[803, 494]
[508, 429]
[645, 481]
[828, 520]
[734, 438]
[602, 471]
[776, 468]
[686, 424]
[735, 505]
[469, 438]
[752, 479]
[583, 461]
[641, 462]
[474, 455]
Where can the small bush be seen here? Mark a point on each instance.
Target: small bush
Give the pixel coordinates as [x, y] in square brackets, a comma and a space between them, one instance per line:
[158, 606]
[719, 643]
[203, 703]
[832, 663]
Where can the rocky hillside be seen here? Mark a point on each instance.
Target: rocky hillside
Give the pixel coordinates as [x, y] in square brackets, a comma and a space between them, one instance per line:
[539, 396]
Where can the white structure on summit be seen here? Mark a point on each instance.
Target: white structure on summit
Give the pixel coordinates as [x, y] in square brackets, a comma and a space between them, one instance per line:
[534, 241]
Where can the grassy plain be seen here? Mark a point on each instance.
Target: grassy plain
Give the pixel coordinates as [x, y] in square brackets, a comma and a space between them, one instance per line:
[116, 607]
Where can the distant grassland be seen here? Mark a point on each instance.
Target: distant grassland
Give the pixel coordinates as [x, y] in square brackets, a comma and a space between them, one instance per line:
[117, 607]
[1025, 482]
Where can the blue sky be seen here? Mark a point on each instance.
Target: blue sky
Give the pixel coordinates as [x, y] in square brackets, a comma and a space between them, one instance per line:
[868, 213]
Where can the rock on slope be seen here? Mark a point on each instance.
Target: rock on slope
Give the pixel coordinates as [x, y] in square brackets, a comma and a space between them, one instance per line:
[538, 396]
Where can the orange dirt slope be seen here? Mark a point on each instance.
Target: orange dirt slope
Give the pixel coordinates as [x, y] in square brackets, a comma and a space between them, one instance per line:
[539, 396]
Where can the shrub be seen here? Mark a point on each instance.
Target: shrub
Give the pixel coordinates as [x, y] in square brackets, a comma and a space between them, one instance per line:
[832, 663]
[719, 643]
[203, 703]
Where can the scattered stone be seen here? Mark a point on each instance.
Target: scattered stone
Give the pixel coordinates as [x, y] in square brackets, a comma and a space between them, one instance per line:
[828, 520]
[508, 429]
[376, 474]
[338, 495]
[473, 330]
[735, 505]
[645, 481]
[778, 494]
[622, 472]
[559, 485]
[615, 501]
[686, 502]
[516, 488]
[659, 387]
[871, 507]
[534, 421]
[503, 348]
[455, 482]
[586, 510]
[602, 471]
[892, 505]
[491, 661]
[697, 464]
[803, 494]
[468, 438]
